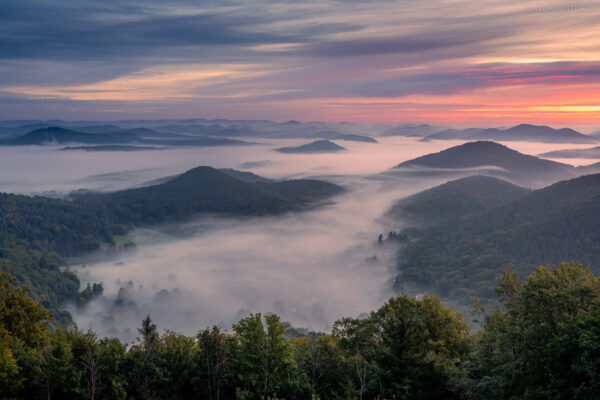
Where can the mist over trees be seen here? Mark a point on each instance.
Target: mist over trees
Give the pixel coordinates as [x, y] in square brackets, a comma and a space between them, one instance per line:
[540, 342]
[39, 234]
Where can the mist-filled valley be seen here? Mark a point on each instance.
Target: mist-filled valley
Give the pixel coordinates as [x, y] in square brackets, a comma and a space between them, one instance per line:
[326, 200]
[293, 259]
[311, 267]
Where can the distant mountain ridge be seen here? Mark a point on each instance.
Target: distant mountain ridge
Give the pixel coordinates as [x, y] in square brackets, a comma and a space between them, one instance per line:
[410, 130]
[63, 136]
[522, 132]
[56, 135]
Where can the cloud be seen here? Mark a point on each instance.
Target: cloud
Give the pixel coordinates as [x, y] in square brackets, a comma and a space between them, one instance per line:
[296, 56]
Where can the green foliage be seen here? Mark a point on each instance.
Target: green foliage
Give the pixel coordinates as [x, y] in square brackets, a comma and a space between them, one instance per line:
[21, 318]
[407, 349]
[326, 366]
[213, 360]
[544, 343]
[37, 234]
[264, 358]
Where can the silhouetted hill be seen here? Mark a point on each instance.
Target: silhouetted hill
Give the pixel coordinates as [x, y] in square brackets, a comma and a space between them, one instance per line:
[205, 190]
[593, 152]
[550, 225]
[455, 199]
[61, 136]
[319, 146]
[480, 154]
[13, 131]
[111, 147]
[55, 135]
[522, 132]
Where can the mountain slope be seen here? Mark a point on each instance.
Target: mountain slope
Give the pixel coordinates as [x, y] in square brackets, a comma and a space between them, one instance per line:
[38, 233]
[513, 165]
[464, 258]
[455, 199]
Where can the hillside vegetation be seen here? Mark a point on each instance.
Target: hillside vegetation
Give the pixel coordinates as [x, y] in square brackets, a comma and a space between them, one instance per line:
[38, 234]
[463, 258]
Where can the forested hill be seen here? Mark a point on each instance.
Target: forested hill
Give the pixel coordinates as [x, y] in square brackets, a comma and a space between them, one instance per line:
[205, 190]
[464, 258]
[37, 234]
[455, 199]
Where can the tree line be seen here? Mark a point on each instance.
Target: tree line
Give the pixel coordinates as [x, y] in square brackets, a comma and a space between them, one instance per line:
[541, 342]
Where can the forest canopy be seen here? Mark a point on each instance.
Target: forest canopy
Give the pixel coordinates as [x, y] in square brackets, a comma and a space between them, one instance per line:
[541, 342]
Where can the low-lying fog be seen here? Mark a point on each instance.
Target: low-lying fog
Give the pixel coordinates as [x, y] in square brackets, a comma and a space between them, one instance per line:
[311, 268]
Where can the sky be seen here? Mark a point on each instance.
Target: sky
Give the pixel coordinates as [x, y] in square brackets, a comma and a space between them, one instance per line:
[459, 63]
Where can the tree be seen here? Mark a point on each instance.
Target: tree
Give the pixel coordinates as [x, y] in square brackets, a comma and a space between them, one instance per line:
[178, 353]
[324, 363]
[20, 317]
[357, 337]
[23, 328]
[541, 345]
[85, 350]
[146, 357]
[213, 360]
[419, 347]
[264, 362]
[59, 377]
[9, 368]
